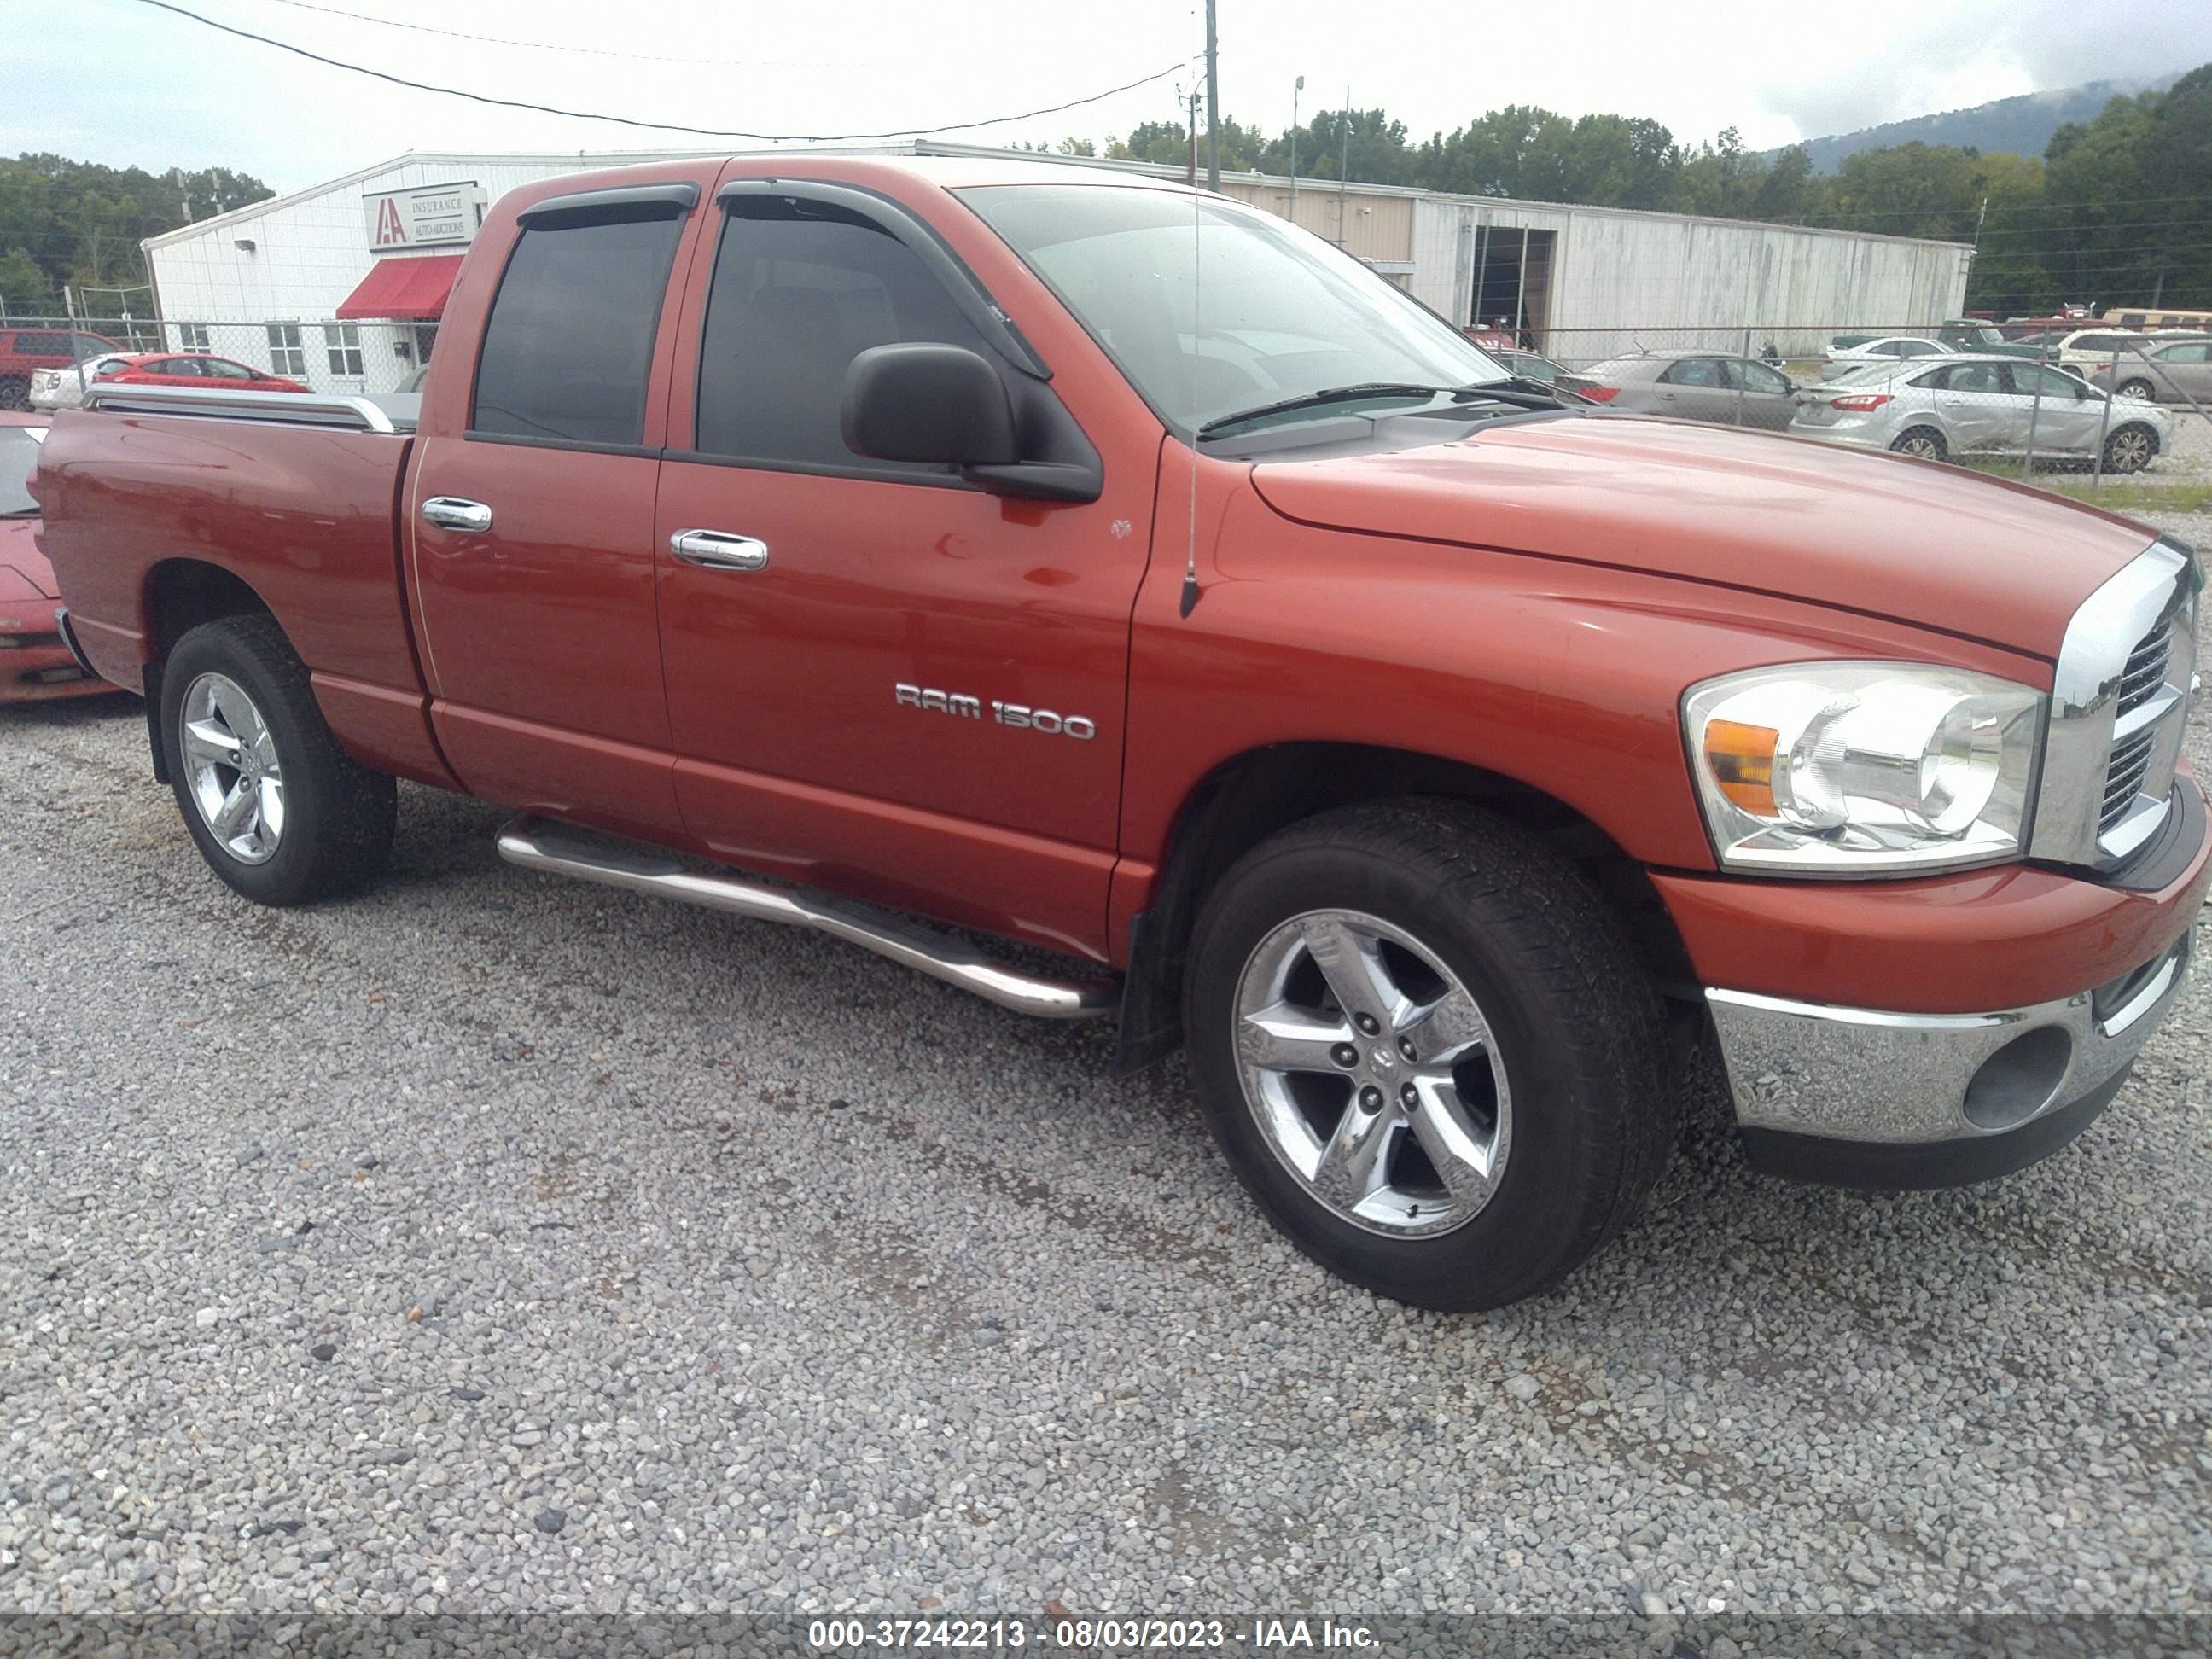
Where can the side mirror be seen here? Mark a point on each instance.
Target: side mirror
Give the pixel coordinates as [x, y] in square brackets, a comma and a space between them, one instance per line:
[927, 403]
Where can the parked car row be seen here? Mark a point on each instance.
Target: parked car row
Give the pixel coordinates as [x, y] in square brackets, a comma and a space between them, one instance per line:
[63, 387]
[1934, 404]
[1969, 405]
[25, 351]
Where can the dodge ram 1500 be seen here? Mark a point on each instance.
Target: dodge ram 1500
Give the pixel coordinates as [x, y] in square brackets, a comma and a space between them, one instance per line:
[1106, 566]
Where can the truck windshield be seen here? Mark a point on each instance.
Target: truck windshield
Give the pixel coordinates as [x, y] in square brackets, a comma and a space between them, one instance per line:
[19, 458]
[1212, 308]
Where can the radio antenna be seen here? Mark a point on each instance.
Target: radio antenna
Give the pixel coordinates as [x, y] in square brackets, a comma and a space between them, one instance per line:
[1190, 545]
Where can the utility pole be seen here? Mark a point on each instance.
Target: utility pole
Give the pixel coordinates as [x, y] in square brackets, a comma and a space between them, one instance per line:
[1212, 109]
[1296, 87]
[1190, 169]
[1344, 174]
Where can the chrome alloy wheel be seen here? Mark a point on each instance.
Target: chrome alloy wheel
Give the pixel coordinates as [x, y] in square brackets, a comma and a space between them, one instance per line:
[1372, 1074]
[231, 760]
[2129, 450]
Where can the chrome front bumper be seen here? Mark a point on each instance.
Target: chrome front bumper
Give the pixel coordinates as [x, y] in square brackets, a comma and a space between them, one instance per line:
[1804, 1072]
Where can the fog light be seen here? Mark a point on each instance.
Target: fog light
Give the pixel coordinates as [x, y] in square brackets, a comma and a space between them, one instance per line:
[2019, 1079]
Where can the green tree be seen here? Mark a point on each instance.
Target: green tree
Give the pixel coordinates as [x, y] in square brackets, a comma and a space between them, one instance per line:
[78, 223]
[1378, 153]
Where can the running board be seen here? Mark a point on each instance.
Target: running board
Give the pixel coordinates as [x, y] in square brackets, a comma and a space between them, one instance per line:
[541, 844]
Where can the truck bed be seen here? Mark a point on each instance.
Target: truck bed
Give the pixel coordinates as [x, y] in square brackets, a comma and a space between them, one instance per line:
[297, 500]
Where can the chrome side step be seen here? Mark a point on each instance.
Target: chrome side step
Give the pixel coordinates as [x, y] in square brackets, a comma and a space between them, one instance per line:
[542, 844]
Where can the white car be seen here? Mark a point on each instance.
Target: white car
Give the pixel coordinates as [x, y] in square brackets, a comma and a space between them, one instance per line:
[1893, 347]
[2085, 350]
[1975, 405]
[64, 388]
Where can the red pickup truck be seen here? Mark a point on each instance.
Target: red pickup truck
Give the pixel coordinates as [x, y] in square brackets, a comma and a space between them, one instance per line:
[1104, 567]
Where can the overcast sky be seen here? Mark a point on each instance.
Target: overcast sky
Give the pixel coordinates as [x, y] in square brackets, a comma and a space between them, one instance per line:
[133, 84]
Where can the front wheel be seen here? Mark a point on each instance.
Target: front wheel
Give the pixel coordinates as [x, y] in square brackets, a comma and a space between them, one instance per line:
[279, 810]
[2130, 449]
[1429, 1051]
[1922, 443]
[15, 391]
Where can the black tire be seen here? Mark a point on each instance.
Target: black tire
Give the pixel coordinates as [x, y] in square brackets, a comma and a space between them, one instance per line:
[2130, 448]
[1923, 442]
[15, 391]
[338, 815]
[2138, 389]
[1576, 1023]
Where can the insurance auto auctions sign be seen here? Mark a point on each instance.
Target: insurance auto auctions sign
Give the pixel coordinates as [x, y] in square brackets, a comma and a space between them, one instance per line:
[435, 215]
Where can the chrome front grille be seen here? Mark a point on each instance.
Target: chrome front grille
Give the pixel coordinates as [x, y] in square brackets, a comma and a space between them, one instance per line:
[2123, 778]
[2119, 699]
[2145, 668]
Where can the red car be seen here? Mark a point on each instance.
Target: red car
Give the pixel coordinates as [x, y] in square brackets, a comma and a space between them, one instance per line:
[25, 349]
[196, 368]
[34, 664]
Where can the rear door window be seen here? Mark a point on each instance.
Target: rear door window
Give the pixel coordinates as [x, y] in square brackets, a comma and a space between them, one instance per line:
[568, 350]
[1695, 371]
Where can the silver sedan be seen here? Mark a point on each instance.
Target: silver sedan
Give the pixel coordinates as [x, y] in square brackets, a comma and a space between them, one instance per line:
[1970, 406]
[1697, 385]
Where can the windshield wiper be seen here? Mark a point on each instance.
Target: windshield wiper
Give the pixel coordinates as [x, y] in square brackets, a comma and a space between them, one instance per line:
[1525, 392]
[20, 512]
[1334, 394]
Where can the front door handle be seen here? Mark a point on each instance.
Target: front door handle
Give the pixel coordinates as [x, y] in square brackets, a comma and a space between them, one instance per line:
[452, 513]
[717, 549]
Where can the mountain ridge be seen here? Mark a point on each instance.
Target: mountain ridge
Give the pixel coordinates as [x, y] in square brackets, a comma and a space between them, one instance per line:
[2020, 125]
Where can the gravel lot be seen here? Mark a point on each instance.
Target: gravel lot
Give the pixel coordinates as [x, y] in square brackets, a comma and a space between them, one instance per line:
[497, 1242]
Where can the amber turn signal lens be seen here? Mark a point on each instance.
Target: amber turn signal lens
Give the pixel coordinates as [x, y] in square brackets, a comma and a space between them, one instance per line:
[1741, 760]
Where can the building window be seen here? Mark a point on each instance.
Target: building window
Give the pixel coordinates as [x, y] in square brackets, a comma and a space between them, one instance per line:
[287, 355]
[192, 337]
[342, 342]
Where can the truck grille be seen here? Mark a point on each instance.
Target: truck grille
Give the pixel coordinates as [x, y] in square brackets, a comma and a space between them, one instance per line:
[2146, 670]
[2120, 696]
[2124, 777]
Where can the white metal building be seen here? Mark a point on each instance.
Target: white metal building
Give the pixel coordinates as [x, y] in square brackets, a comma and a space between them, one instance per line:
[342, 285]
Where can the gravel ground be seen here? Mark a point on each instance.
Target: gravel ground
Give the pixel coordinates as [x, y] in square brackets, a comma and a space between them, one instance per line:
[497, 1242]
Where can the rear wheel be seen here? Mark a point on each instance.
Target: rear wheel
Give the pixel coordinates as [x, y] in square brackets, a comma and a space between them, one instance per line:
[15, 391]
[2140, 390]
[2130, 449]
[1429, 1052]
[1922, 443]
[279, 810]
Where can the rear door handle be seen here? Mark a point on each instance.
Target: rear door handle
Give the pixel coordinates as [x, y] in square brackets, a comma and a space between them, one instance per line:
[452, 513]
[717, 549]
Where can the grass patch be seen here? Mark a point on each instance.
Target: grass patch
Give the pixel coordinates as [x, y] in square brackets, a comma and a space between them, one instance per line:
[2130, 494]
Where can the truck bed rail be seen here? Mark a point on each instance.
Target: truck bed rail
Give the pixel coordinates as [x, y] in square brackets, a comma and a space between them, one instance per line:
[287, 408]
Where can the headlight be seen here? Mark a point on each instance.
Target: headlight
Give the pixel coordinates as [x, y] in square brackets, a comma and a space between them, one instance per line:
[1862, 767]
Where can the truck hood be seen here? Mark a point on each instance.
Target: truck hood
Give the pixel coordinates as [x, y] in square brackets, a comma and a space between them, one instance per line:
[1922, 544]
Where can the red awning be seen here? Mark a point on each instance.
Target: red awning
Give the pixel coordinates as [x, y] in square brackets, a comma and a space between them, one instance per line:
[403, 290]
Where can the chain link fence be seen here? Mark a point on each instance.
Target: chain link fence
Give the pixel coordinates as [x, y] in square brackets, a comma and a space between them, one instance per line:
[46, 363]
[2108, 404]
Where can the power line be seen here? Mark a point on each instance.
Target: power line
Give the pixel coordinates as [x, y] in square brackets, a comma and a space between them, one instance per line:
[659, 126]
[554, 46]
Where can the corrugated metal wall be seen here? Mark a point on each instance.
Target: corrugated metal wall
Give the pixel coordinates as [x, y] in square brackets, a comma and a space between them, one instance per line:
[1381, 226]
[1707, 278]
